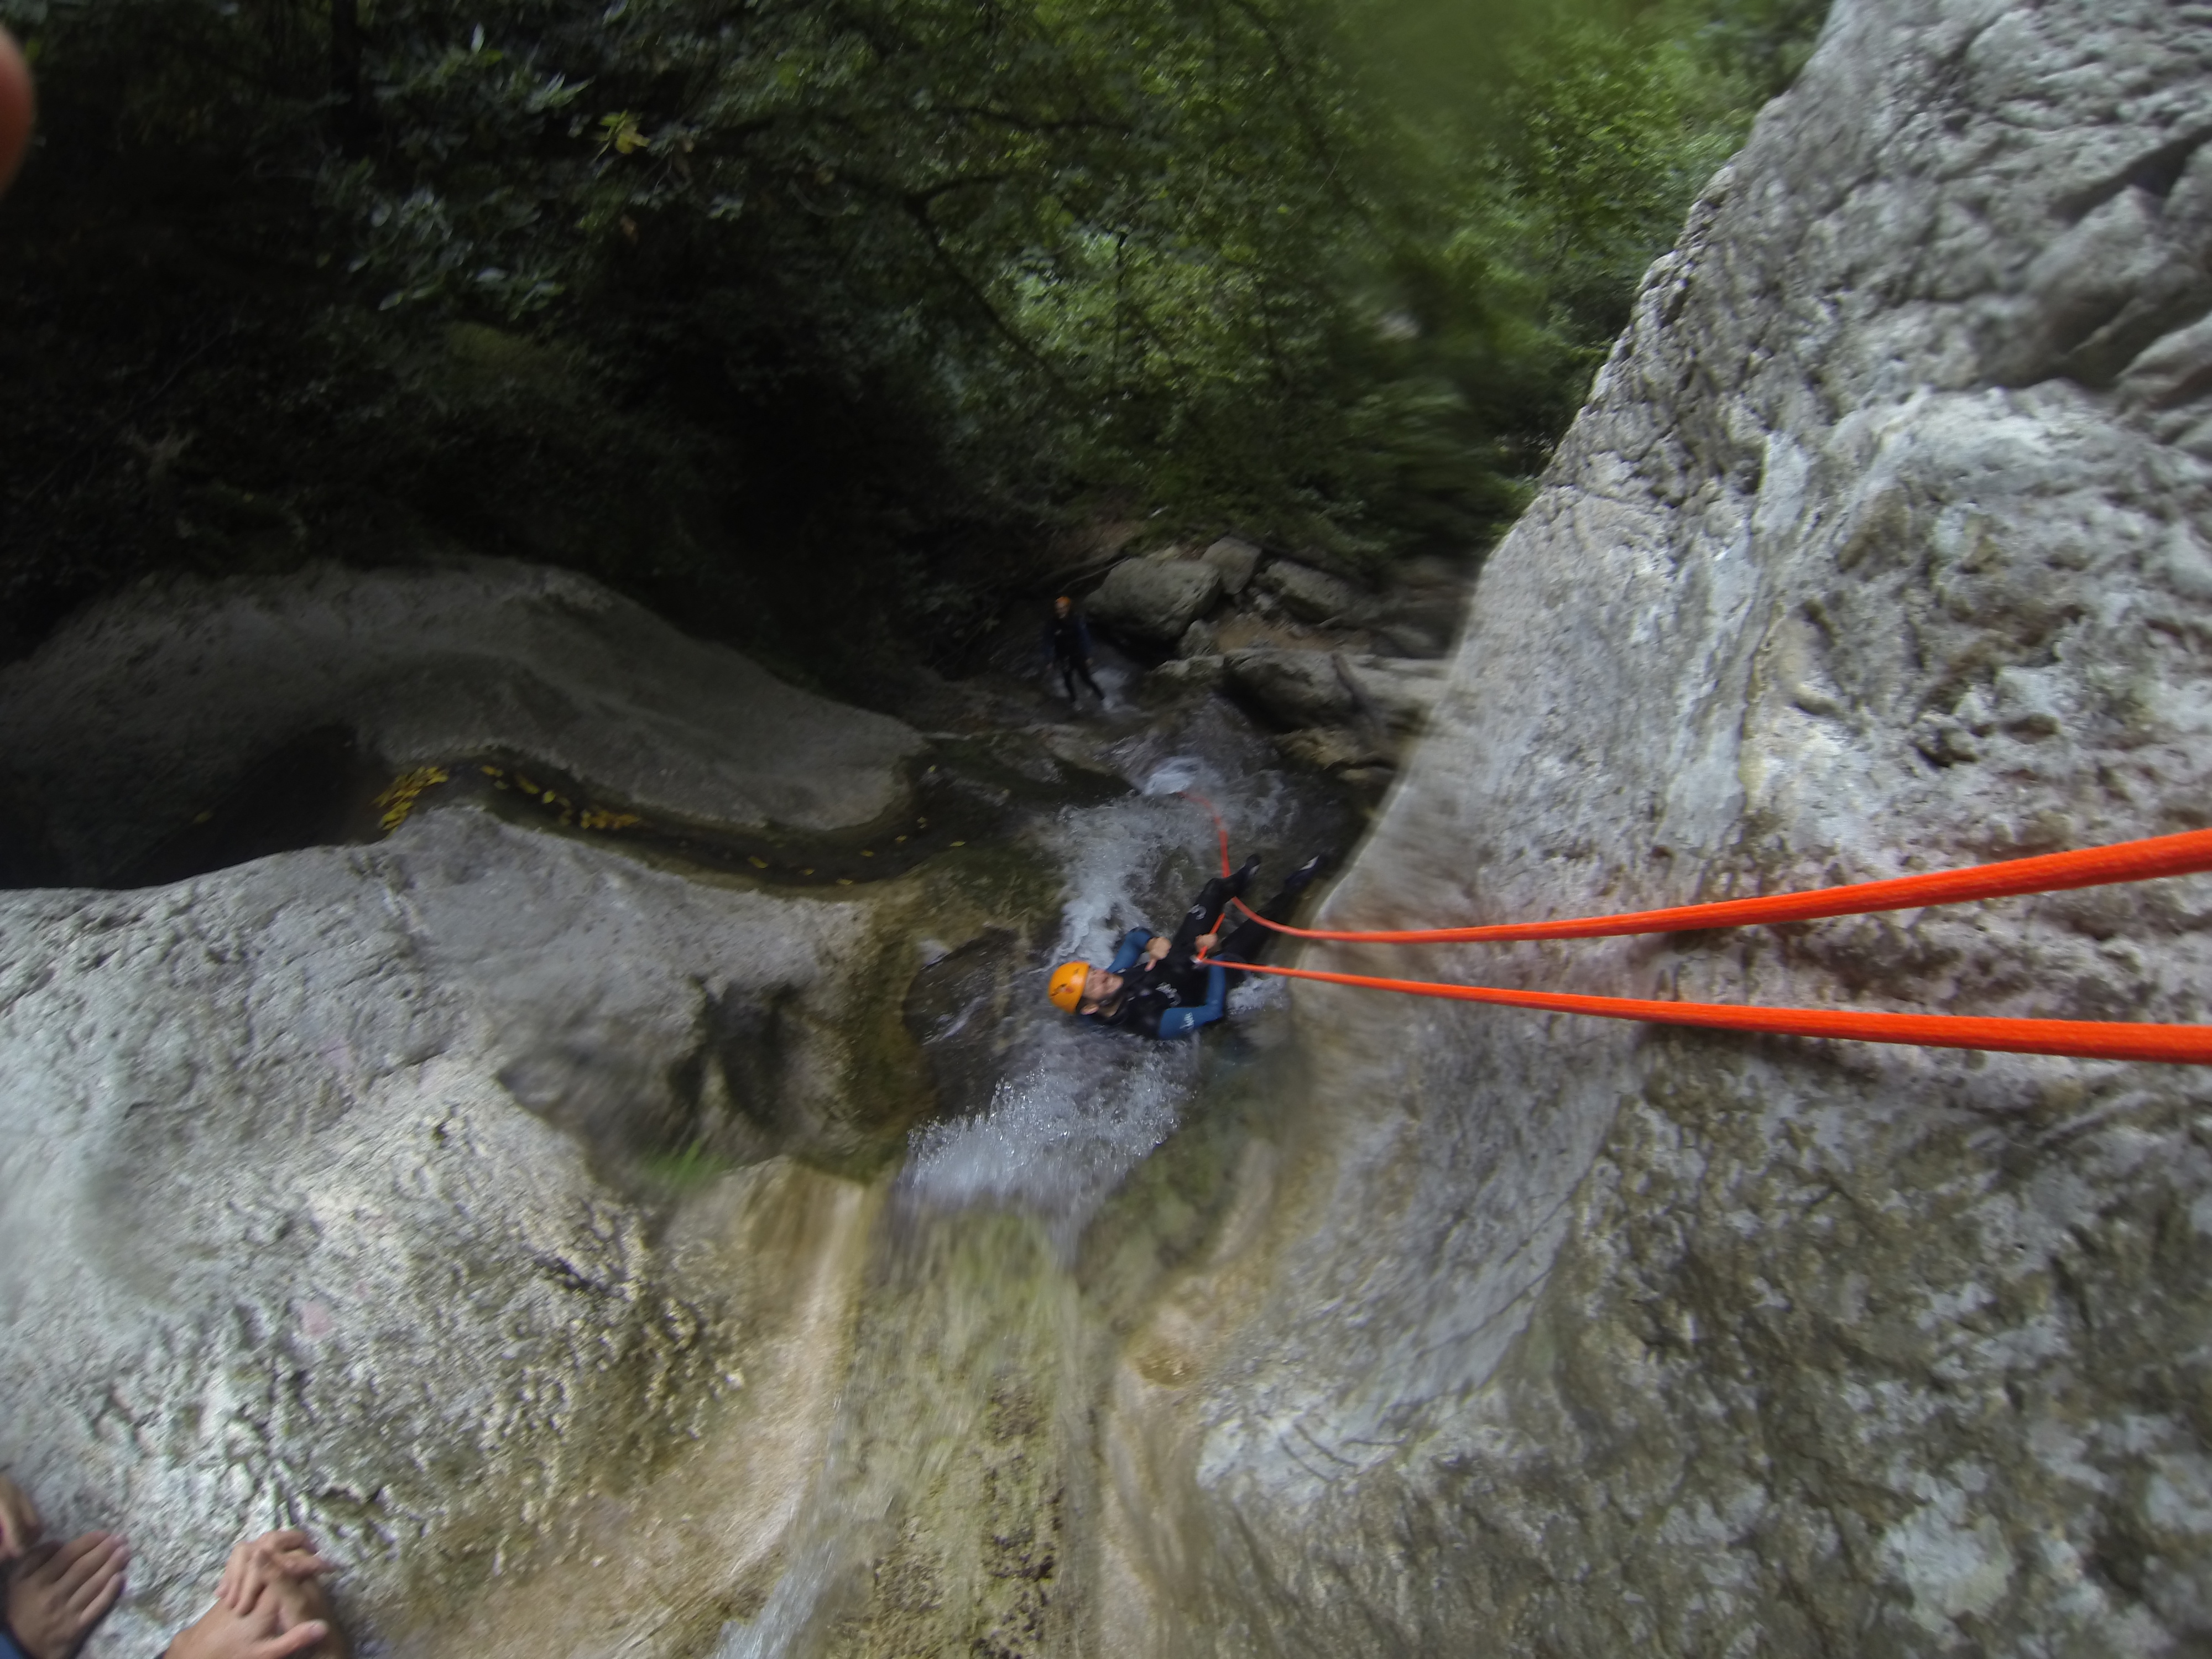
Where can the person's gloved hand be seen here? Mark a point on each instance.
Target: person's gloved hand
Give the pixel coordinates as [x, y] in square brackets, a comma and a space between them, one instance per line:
[57, 1592]
[17, 106]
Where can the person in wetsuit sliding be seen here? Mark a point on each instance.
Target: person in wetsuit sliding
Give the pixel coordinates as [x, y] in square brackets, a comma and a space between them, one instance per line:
[1155, 986]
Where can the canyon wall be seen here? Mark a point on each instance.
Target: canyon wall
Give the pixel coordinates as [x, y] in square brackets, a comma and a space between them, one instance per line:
[1883, 544]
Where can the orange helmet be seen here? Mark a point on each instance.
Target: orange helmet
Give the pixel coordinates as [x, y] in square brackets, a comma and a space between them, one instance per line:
[1066, 987]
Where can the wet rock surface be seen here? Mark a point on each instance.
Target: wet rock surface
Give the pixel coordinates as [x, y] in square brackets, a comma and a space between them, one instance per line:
[336, 1182]
[154, 705]
[1342, 675]
[511, 1192]
[1873, 551]
[1329, 688]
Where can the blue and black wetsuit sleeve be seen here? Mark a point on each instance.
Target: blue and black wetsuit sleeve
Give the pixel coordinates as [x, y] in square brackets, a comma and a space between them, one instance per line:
[8, 1648]
[1181, 1022]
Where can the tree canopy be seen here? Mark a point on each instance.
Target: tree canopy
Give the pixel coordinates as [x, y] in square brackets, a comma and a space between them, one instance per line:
[714, 298]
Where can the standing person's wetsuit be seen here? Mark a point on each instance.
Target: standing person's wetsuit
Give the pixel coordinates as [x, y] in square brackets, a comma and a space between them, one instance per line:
[1068, 641]
[1170, 992]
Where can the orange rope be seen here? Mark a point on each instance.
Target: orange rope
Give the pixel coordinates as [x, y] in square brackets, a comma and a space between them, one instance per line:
[2088, 1039]
[2185, 854]
[2134, 860]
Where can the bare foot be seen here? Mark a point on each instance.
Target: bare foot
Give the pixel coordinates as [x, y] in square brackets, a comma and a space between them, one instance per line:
[57, 1592]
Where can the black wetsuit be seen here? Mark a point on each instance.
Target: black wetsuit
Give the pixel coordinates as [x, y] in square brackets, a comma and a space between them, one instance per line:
[1069, 642]
[1178, 994]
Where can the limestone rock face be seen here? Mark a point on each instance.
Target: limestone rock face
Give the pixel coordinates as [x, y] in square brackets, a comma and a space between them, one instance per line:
[1154, 599]
[1884, 543]
[319, 1198]
[164, 694]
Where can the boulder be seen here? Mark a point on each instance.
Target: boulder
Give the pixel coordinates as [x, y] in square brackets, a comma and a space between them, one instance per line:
[1308, 594]
[1400, 690]
[1421, 623]
[1236, 559]
[1296, 687]
[1154, 599]
[1199, 639]
[1884, 544]
[1327, 688]
[1333, 749]
[161, 697]
[1182, 676]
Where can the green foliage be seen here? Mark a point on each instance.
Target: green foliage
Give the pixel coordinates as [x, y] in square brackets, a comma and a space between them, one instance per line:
[1337, 270]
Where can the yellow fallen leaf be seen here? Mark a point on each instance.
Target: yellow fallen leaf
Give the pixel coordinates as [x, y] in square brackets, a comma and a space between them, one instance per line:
[758, 864]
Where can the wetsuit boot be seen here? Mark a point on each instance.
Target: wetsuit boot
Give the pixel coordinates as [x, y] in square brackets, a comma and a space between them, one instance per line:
[1250, 938]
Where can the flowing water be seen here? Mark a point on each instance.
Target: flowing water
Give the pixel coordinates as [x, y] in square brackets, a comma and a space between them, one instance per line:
[906, 1460]
[948, 1512]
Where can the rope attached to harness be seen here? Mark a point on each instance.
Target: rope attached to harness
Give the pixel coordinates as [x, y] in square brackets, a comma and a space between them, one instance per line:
[2125, 861]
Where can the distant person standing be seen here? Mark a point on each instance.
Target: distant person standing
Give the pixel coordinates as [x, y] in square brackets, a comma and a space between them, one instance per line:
[1069, 642]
